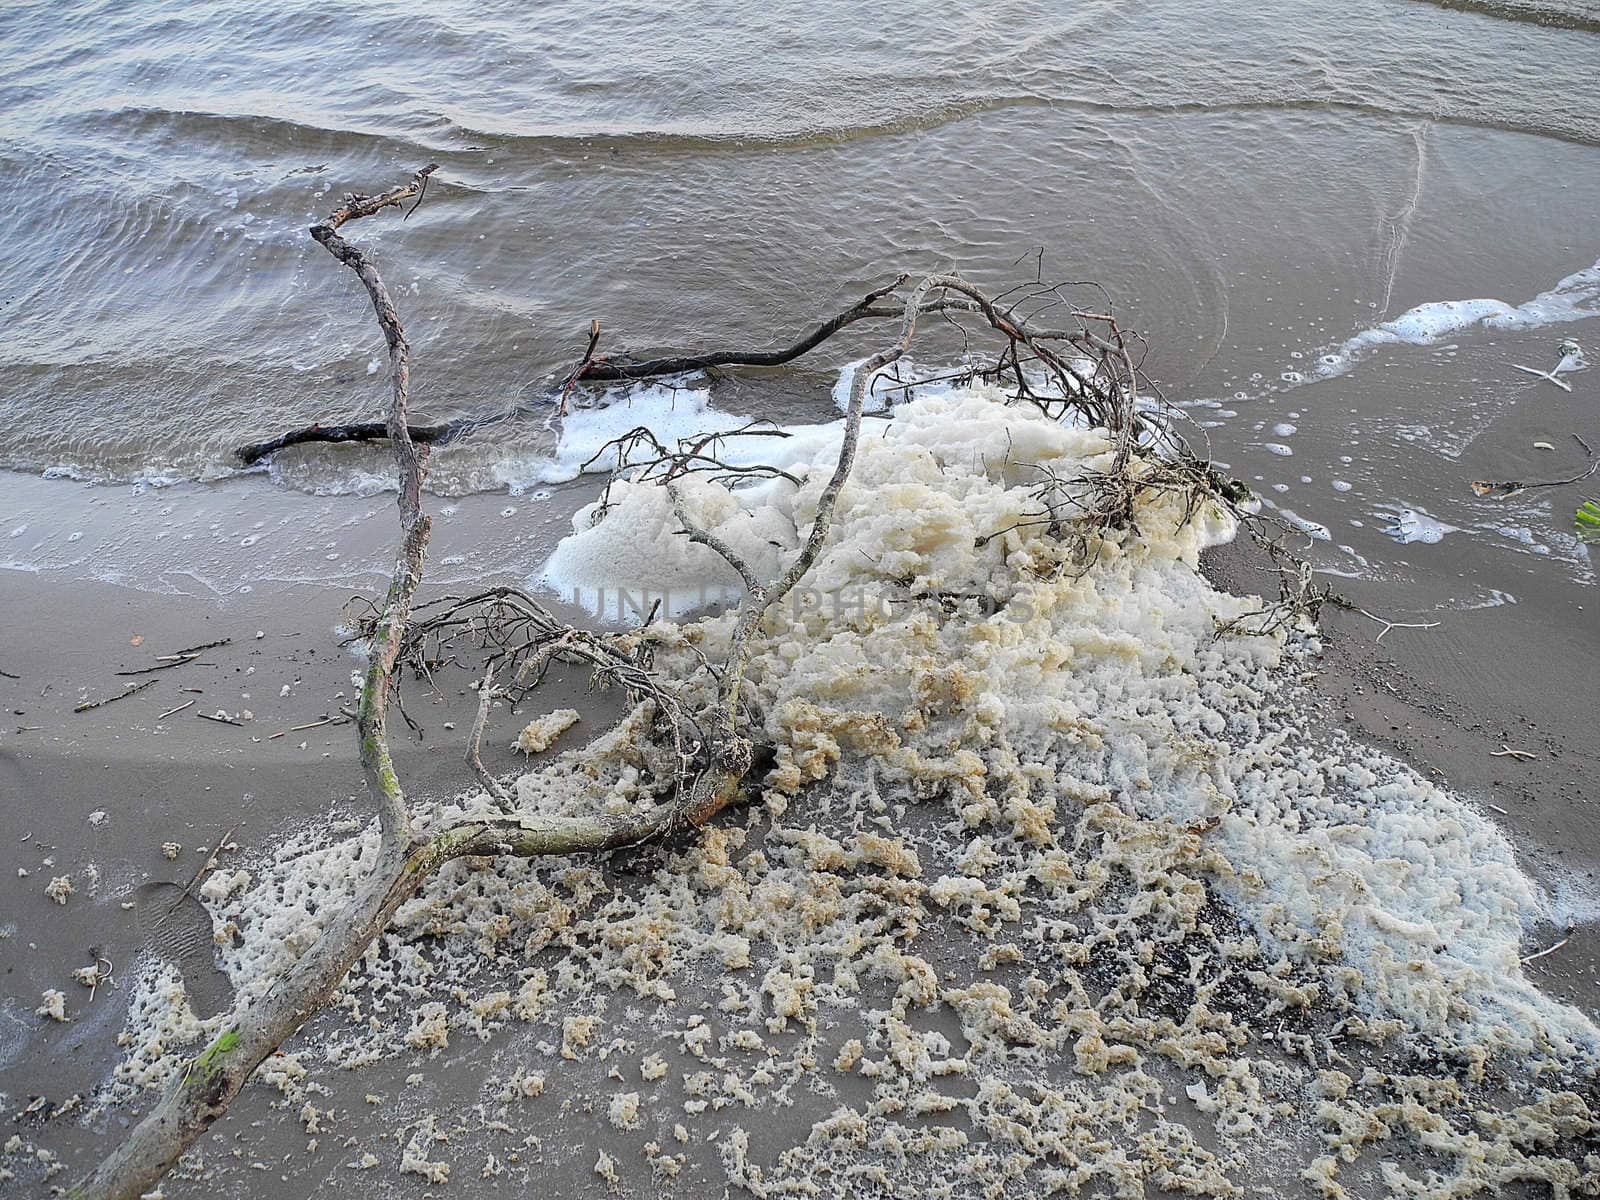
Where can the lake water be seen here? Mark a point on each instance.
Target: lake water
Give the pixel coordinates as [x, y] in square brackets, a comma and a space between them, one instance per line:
[1257, 186]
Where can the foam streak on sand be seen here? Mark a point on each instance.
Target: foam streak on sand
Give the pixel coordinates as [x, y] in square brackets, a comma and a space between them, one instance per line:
[1574, 298]
[1057, 806]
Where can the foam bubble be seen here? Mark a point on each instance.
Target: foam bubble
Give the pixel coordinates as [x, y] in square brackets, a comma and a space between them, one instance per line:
[1407, 525]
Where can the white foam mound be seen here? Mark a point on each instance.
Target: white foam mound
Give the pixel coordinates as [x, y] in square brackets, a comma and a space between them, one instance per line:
[1044, 844]
[640, 555]
[668, 412]
[1574, 298]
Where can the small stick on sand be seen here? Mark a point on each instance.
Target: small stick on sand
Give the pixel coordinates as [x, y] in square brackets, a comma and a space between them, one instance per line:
[1547, 950]
[312, 725]
[179, 709]
[162, 666]
[8, 674]
[188, 650]
[1506, 751]
[207, 866]
[178, 658]
[138, 687]
[217, 719]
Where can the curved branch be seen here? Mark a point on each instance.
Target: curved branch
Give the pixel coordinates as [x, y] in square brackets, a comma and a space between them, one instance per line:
[733, 753]
[189, 1105]
[1515, 487]
[602, 369]
[474, 752]
[711, 541]
[357, 431]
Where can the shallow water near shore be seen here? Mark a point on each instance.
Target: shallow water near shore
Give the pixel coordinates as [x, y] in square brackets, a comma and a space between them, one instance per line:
[1303, 208]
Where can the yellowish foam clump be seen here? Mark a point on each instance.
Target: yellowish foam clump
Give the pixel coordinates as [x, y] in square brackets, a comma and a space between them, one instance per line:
[414, 1157]
[623, 1110]
[538, 734]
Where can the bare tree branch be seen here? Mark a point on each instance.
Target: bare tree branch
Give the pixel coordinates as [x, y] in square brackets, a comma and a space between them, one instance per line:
[474, 754]
[609, 369]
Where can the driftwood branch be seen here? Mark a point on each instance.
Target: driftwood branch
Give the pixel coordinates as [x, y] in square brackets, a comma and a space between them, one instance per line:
[356, 431]
[1107, 387]
[707, 778]
[591, 369]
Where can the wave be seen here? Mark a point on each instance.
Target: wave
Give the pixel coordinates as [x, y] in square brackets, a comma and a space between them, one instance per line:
[471, 135]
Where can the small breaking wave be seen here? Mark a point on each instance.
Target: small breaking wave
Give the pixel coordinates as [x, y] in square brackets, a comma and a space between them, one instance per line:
[1574, 298]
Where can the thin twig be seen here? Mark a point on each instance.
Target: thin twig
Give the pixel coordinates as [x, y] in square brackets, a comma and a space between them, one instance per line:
[1340, 602]
[132, 691]
[210, 864]
[196, 649]
[1547, 950]
[179, 709]
[588, 357]
[474, 758]
[177, 658]
[1512, 487]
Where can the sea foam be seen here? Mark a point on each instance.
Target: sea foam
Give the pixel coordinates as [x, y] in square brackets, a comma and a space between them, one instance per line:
[1574, 298]
[1042, 844]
